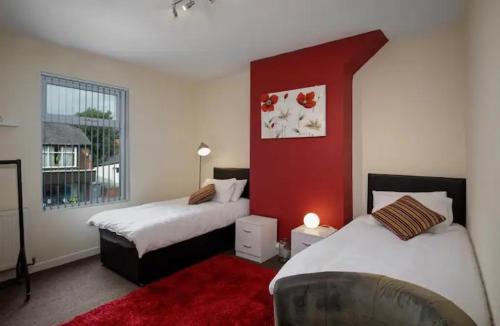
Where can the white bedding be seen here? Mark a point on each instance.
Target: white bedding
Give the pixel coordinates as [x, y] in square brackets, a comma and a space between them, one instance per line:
[157, 225]
[444, 263]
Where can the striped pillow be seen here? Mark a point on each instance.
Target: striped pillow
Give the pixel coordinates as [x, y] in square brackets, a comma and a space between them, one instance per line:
[407, 217]
[202, 195]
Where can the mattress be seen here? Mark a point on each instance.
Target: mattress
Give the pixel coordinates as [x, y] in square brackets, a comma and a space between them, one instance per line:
[157, 225]
[443, 263]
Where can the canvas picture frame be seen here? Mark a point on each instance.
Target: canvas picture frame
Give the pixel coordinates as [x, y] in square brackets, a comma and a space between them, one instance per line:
[296, 113]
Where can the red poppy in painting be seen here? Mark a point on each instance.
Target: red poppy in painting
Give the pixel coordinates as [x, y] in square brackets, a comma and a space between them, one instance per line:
[268, 102]
[307, 100]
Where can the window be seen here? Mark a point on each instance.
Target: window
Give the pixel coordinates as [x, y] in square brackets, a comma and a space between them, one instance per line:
[59, 156]
[83, 142]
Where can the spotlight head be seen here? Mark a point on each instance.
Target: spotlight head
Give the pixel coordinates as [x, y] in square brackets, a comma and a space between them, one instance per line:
[188, 5]
[174, 11]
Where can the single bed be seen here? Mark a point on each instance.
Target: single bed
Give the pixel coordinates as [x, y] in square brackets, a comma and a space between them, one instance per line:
[146, 242]
[444, 263]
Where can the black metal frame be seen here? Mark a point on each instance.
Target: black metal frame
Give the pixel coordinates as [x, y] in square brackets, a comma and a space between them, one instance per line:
[454, 187]
[22, 264]
[120, 254]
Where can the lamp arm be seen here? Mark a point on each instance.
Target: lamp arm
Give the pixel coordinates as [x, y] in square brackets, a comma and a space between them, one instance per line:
[199, 175]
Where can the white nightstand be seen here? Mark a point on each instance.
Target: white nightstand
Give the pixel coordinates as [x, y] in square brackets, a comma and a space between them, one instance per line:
[256, 238]
[303, 237]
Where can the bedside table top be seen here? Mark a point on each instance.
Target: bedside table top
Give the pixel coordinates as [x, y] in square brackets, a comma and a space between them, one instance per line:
[320, 231]
[257, 220]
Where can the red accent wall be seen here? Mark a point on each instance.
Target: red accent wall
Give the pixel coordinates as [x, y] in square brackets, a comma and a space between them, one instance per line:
[290, 177]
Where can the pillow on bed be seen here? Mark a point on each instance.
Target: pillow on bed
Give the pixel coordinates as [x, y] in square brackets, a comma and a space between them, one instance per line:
[384, 198]
[238, 189]
[445, 208]
[407, 217]
[223, 189]
[202, 195]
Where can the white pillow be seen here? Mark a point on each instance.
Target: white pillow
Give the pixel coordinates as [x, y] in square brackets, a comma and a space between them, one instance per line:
[384, 198]
[239, 186]
[443, 226]
[223, 189]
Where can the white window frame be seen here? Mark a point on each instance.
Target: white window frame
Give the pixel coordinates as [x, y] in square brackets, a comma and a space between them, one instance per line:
[62, 154]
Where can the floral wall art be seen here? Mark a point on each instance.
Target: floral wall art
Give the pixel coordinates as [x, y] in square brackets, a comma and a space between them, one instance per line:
[294, 114]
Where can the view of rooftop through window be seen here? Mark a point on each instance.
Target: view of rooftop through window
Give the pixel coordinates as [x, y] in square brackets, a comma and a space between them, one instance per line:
[83, 127]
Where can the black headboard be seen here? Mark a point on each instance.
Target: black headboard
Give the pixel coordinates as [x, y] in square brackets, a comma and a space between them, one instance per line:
[237, 173]
[454, 187]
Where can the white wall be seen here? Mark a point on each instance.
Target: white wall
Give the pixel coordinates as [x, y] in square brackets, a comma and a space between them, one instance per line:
[223, 107]
[409, 110]
[483, 142]
[162, 158]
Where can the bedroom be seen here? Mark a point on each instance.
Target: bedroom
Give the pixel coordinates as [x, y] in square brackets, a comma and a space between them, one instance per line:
[410, 89]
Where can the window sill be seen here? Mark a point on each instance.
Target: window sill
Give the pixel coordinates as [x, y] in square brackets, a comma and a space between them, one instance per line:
[93, 205]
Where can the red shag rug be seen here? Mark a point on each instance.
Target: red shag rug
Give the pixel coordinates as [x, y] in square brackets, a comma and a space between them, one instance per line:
[223, 290]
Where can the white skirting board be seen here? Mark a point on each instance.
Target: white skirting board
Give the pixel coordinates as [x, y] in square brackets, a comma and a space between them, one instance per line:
[54, 262]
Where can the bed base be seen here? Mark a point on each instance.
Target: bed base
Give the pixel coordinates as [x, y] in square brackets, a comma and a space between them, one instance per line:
[120, 255]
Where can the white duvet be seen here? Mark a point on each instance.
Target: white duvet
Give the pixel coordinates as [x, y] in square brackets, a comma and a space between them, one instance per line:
[157, 225]
[444, 263]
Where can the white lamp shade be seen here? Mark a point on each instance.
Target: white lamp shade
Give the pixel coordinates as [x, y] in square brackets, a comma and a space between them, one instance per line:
[311, 220]
[203, 150]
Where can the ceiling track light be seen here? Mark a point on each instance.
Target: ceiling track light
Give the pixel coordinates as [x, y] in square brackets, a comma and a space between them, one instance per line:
[185, 5]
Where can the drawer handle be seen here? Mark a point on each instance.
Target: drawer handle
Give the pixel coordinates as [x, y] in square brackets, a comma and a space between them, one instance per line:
[247, 246]
[247, 231]
[306, 244]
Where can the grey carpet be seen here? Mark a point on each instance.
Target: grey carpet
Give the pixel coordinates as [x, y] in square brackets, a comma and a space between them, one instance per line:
[61, 293]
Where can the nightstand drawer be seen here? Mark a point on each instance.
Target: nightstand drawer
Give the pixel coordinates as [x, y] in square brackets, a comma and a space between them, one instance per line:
[303, 238]
[247, 230]
[249, 248]
[302, 241]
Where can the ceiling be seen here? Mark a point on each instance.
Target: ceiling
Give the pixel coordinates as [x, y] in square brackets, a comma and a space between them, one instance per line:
[212, 40]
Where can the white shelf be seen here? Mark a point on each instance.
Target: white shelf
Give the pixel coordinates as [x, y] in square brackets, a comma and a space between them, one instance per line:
[9, 123]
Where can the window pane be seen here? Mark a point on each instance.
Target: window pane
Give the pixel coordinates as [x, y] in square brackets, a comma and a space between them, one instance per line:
[64, 98]
[57, 159]
[83, 129]
[46, 160]
[68, 160]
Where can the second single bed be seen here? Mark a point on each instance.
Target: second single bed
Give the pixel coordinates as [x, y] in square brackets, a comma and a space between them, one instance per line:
[444, 263]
